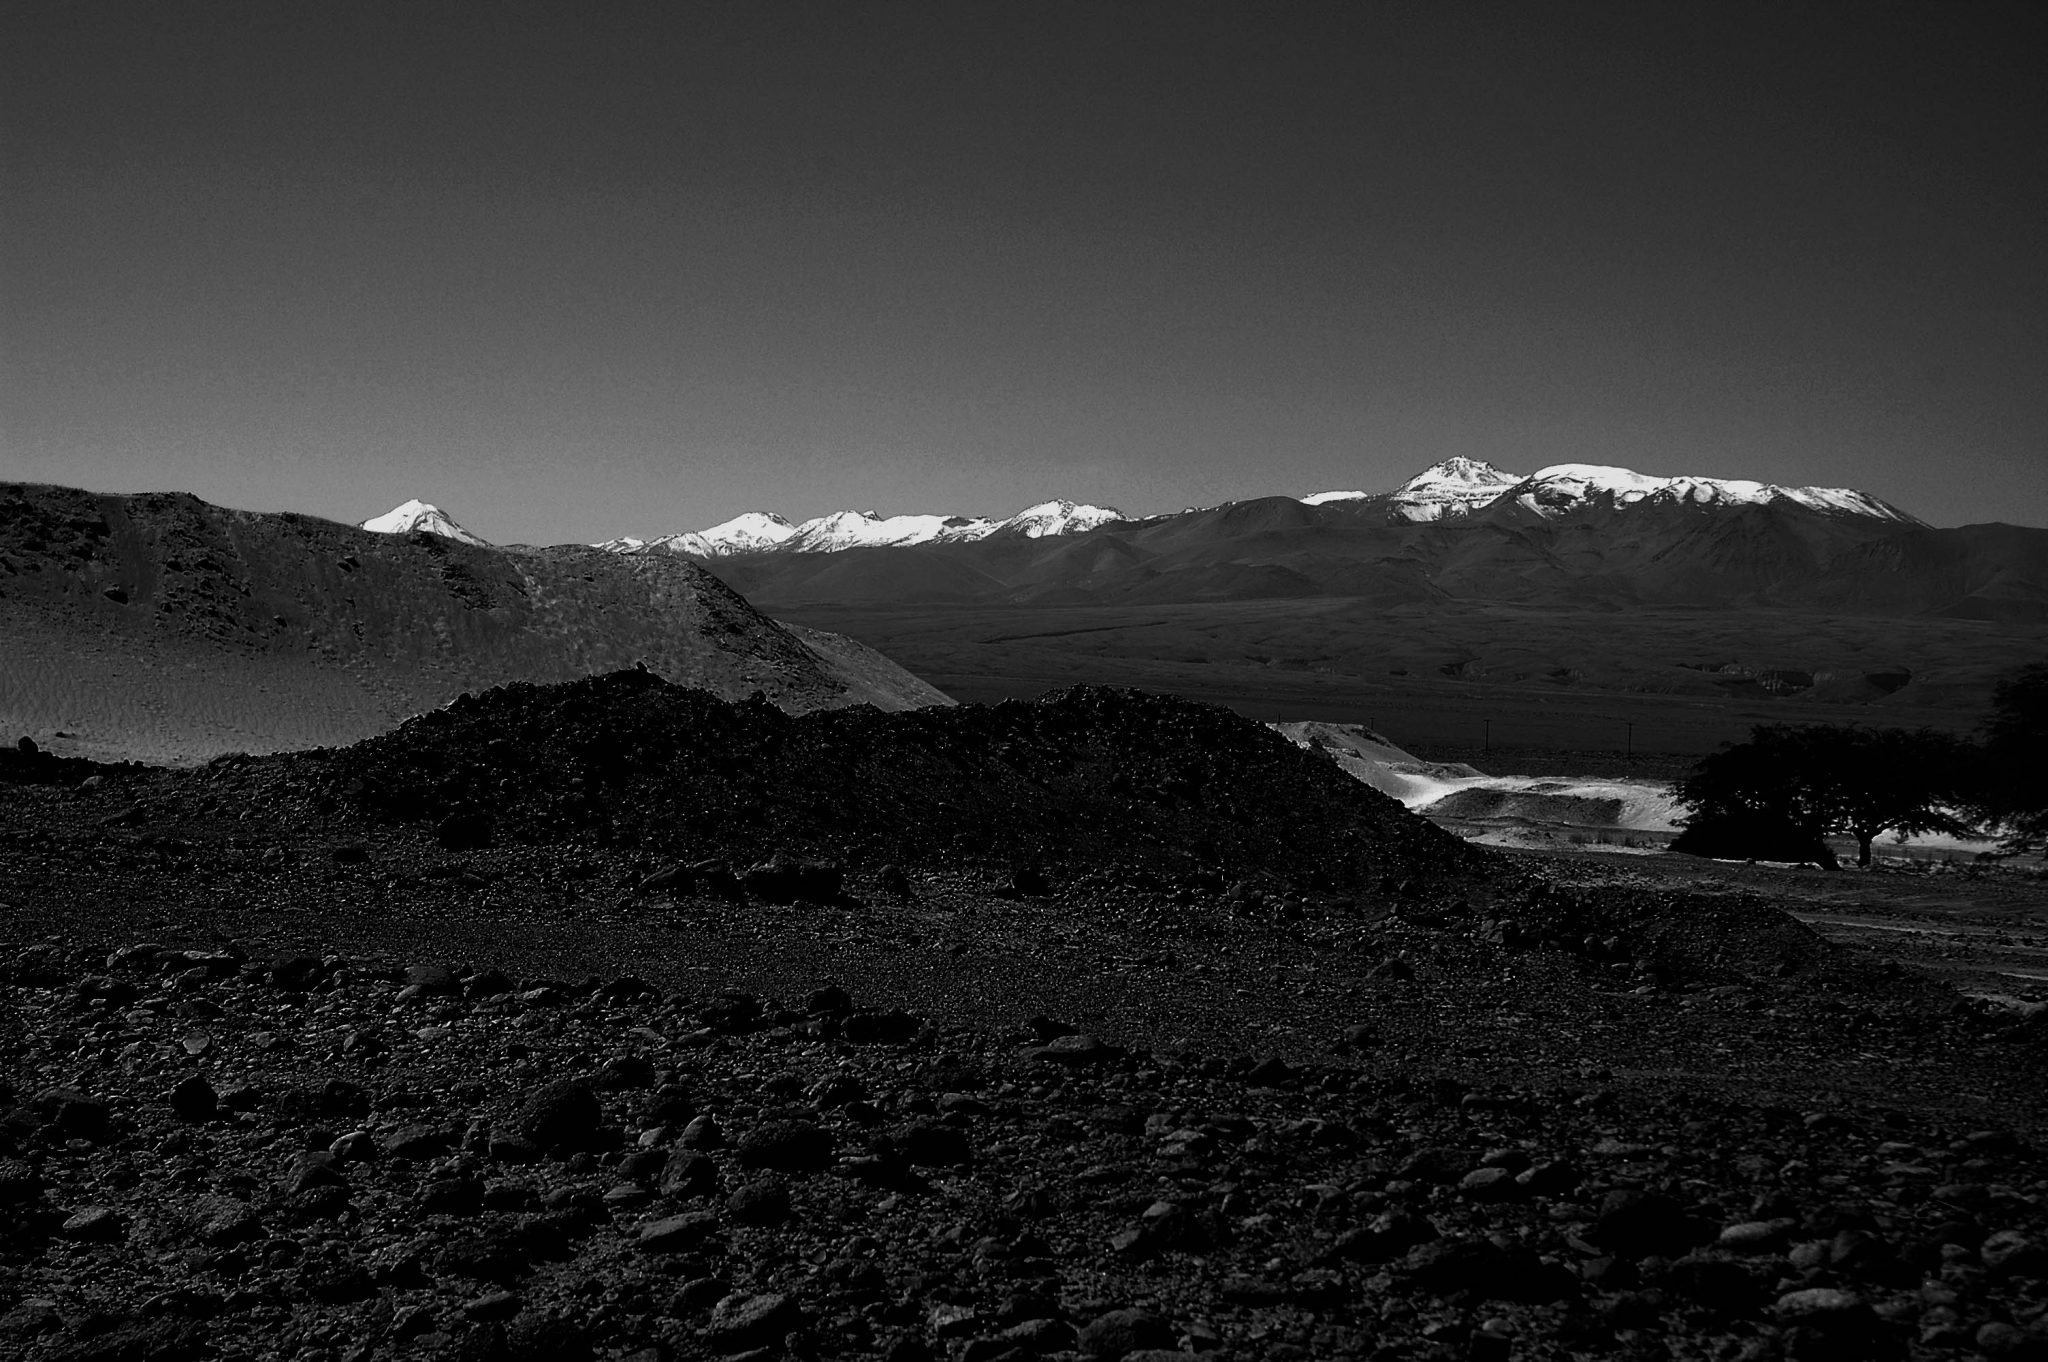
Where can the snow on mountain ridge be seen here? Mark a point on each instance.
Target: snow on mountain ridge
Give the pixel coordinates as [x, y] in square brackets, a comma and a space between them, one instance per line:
[1459, 487]
[1563, 488]
[761, 532]
[409, 516]
[865, 529]
[1450, 489]
[1057, 517]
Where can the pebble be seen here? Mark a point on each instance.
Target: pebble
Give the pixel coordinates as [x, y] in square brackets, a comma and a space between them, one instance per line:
[1824, 1306]
[748, 1320]
[95, 1225]
[1490, 1184]
[676, 1233]
[494, 1305]
[1078, 1051]
[2003, 1342]
[1755, 1236]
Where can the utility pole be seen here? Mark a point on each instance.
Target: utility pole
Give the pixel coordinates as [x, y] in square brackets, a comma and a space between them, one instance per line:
[1486, 737]
[1631, 739]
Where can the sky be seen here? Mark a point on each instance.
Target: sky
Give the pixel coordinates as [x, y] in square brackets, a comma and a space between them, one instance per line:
[580, 270]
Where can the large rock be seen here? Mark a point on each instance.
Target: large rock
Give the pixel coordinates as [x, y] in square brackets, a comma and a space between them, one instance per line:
[1636, 1224]
[1076, 1052]
[676, 1233]
[560, 1117]
[786, 1147]
[744, 1321]
[194, 1099]
[782, 880]
[1119, 1333]
[72, 1115]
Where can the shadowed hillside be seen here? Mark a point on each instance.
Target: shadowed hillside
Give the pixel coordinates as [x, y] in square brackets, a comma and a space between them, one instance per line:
[163, 627]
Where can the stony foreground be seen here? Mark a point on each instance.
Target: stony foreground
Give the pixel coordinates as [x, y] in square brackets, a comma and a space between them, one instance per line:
[319, 1156]
[610, 1021]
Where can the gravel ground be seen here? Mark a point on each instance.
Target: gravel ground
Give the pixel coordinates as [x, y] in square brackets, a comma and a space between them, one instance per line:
[286, 1081]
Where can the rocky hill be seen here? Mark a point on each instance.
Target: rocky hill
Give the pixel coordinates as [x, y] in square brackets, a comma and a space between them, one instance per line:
[164, 627]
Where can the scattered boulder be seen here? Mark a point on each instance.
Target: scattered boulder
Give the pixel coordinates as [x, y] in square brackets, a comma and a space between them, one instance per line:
[1077, 1052]
[782, 880]
[786, 1147]
[676, 1233]
[560, 1117]
[72, 1115]
[1119, 1333]
[764, 1201]
[751, 1320]
[296, 973]
[194, 1099]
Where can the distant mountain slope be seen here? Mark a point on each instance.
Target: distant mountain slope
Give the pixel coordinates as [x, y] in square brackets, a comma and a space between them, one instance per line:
[1570, 534]
[1573, 489]
[762, 532]
[163, 627]
[1678, 542]
[1453, 490]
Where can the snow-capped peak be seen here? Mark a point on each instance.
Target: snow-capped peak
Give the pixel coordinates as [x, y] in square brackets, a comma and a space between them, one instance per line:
[419, 515]
[1459, 487]
[760, 532]
[1567, 487]
[1452, 487]
[1057, 517]
[1458, 471]
[865, 529]
[749, 531]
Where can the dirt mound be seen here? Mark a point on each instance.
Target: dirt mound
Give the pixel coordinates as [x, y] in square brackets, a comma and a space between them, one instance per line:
[1088, 776]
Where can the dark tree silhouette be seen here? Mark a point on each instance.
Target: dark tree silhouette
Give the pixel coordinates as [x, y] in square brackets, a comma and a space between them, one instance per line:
[1780, 795]
[2012, 767]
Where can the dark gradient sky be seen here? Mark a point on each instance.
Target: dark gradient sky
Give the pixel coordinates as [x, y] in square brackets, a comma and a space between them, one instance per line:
[579, 270]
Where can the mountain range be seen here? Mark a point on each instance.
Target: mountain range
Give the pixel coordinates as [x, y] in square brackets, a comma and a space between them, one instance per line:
[1569, 535]
[1454, 489]
[764, 532]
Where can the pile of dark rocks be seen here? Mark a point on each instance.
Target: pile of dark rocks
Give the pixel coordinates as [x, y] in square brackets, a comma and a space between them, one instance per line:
[1076, 779]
